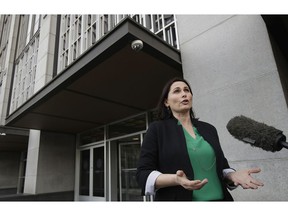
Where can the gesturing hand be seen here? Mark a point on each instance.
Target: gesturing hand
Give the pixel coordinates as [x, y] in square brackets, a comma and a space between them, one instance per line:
[182, 180]
[244, 178]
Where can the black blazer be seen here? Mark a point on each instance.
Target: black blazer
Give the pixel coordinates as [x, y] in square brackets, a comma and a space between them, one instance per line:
[164, 149]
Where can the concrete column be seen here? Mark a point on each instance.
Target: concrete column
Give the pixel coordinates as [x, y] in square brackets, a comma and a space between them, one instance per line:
[45, 59]
[32, 162]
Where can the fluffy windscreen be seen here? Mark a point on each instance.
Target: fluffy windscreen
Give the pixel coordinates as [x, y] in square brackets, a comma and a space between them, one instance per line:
[255, 133]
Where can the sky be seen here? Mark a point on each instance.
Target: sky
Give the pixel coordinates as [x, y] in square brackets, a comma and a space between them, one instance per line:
[144, 7]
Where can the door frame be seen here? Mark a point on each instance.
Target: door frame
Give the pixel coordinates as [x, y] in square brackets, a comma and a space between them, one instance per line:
[119, 161]
[90, 197]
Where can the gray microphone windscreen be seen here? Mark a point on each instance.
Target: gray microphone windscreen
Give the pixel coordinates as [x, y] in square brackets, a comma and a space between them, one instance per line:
[255, 133]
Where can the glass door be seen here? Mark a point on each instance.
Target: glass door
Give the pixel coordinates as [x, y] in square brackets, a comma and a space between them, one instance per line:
[84, 185]
[98, 172]
[92, 174]
[128, 157]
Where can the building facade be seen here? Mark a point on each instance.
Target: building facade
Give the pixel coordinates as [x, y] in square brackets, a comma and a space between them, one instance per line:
[76, 98]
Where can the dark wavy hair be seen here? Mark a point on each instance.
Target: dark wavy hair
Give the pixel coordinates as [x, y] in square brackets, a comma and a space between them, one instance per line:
[162, 111]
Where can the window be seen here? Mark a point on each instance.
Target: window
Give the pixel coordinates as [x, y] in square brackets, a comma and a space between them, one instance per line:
[79, 32]
[26, 61]
[92, 136]
[131, 125]
[4, 37]
[92, 172]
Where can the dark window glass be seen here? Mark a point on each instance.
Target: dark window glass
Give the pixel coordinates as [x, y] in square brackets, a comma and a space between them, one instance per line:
[84, 172]
[91, 136]
[129, 159]
[128, 126]
[98, 172]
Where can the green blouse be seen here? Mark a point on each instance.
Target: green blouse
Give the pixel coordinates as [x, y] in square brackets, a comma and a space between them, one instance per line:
[203, 160]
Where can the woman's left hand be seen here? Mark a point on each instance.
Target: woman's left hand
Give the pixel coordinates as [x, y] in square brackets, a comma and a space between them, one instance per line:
[244, 178]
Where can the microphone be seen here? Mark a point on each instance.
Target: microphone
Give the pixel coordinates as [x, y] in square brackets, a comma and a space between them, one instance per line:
[257, 134]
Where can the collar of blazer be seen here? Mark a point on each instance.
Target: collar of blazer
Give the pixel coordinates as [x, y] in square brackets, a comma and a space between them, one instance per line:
[194, 120]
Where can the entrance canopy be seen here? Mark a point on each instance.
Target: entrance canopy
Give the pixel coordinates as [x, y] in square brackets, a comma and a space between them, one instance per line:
[108, 82]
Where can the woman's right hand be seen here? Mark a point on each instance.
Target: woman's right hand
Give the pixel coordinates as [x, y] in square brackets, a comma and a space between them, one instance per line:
[182, 180]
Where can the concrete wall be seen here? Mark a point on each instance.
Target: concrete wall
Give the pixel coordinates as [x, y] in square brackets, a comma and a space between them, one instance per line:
[9, 169]
[50, 163]
[56, 163]
[230, 65]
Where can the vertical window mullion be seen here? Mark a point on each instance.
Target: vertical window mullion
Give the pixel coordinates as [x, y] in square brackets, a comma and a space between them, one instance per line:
[91, 173]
